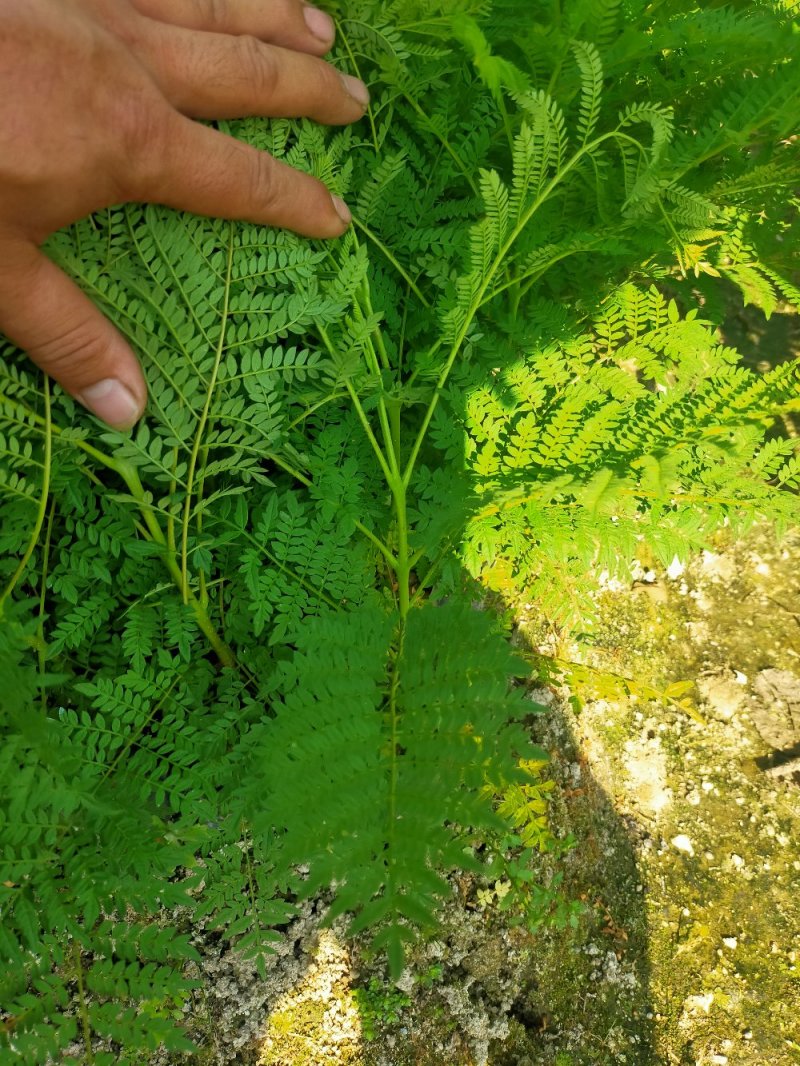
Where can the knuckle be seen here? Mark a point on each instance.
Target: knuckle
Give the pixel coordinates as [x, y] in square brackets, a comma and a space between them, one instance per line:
[212, 13]
[143, 144]
[258, 64]
[72, 352]
[330, 82]
[129, 28]
[262, 185]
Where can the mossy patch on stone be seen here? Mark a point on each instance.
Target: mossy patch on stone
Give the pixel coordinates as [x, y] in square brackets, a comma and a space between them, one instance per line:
[317, 1021]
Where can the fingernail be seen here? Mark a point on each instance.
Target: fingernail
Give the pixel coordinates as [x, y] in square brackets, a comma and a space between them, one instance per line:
[357, 89]
[320, 24]
[342, 210]
[110, 400]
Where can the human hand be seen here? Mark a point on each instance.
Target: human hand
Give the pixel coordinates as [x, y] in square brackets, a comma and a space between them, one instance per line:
[99, 101]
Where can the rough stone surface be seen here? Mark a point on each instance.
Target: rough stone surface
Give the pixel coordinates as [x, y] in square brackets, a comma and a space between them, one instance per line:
[775, 710]
[679, 955]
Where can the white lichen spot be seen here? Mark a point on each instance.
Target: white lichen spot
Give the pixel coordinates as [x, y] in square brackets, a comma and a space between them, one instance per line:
[675, 569]
[719, 567]
[722, 693]
[683, 844]
[703, 1002]
[646, 767]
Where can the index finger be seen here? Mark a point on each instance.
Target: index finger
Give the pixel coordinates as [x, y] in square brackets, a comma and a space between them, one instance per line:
[209, 173]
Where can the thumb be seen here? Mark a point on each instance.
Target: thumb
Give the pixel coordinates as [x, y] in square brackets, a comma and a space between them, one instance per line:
[46, 314]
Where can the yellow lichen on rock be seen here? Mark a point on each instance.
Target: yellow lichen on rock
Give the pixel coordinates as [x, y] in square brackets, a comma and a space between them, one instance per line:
[316, 1022]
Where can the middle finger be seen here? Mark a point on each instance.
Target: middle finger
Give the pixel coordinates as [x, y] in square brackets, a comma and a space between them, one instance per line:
[288, 23]
[215, 75]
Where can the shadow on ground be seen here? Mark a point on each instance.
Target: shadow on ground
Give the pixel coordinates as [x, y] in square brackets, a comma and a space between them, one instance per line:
[573, 995]
[589, 999]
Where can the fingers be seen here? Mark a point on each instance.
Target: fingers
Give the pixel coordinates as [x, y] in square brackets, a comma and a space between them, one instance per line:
[215, 75]
[209, 173]
[47, 315]
[288, 23]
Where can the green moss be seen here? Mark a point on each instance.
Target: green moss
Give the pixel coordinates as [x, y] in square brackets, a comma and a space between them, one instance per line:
[296, 1037]
[380, 1005]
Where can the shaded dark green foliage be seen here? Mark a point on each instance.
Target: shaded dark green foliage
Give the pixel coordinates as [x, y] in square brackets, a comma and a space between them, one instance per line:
[240, 659]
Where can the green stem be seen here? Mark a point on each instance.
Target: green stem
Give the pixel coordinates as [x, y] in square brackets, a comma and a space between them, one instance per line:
[251, 880]
[344, 39]
[198, 437]
[133, 738]
[391, 471]
[385, 552]
[506, 123]
[403, 568]
[385, 360]
[427, 579]
[40, 514]
[394, 407]
[173, 488]
[40, 644]
[444, 142]
[315, 407]
[394, 722]
[382, 548]
[523, 282]
[362, 417]
[129, 474]
[127, 471]
[394, 479]
[373, 365]
[83, 1010]
[516, 300]
[400, 269]
[477, 299]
